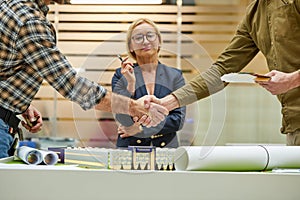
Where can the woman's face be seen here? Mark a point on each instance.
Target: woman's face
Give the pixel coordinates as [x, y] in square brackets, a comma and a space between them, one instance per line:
[144, 41]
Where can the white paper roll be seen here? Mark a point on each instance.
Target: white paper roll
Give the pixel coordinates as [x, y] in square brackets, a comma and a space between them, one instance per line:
[221, 158]
[283, 156]
[29, 155]
[49, 157]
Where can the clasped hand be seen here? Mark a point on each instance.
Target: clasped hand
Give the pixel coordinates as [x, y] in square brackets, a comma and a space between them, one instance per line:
[148, 111]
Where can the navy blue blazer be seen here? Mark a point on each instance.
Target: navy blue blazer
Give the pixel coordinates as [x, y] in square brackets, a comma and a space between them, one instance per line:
[167, 80]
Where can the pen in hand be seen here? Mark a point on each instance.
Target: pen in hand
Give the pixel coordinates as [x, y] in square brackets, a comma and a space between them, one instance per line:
[31, 124]
[121, 59]
[124, 60]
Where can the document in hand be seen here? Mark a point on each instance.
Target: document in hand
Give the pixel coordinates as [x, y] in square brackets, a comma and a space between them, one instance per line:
[244, 77]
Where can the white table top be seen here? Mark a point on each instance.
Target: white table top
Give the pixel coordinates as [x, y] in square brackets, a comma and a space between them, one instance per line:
[58, 182]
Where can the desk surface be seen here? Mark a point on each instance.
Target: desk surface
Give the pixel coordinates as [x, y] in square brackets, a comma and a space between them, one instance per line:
[43, 182]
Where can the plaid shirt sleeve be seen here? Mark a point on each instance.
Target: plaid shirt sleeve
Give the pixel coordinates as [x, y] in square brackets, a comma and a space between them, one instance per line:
[36, 42]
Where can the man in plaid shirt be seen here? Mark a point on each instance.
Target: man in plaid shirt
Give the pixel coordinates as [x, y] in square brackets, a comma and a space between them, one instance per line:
[29, 55]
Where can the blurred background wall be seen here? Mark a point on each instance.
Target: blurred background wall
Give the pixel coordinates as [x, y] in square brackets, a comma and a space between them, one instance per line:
[194, 34]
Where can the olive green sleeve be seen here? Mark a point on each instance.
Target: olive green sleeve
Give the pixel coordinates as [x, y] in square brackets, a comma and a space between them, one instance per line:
[201, 86]
[234, 58]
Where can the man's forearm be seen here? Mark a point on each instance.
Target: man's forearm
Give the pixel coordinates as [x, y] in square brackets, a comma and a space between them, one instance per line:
[147, 114]
[105, 103]
[114, 103]
[297, 78]
[170, 102]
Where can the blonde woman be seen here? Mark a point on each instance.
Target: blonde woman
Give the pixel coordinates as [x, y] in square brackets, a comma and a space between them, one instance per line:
[147, 76]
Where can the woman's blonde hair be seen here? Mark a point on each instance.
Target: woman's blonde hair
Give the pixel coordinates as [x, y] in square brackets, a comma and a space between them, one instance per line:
[135, 24]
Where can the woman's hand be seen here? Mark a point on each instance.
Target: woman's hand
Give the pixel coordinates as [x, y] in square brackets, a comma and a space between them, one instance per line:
[128, 73]
[124, 131]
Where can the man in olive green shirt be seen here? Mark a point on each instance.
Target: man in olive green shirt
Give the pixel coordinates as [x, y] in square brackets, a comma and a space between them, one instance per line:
[269, 26]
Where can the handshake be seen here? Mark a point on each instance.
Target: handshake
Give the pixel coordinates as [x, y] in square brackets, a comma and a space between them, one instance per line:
[149, 110]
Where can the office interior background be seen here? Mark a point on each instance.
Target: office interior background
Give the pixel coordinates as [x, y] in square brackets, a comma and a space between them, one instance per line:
[194, 34]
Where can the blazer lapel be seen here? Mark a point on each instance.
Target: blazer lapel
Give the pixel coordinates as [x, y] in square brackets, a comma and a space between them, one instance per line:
[140, 83]
[159, 80]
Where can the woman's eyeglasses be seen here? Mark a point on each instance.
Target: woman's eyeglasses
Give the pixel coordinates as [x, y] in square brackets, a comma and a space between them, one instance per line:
[139, 38]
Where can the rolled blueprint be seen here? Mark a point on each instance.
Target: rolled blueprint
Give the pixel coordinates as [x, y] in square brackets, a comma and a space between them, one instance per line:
[221, 158]
[237, 158]
[283, 156]
[33, 156]
[49, 157]
[29, 155]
